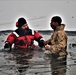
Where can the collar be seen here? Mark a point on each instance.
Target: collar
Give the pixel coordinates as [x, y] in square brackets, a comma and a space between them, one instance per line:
[61, 27]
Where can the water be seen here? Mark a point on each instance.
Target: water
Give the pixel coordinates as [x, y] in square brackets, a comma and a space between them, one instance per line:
[33, 62]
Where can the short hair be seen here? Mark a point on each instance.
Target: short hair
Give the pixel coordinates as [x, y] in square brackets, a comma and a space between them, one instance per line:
[57, 19]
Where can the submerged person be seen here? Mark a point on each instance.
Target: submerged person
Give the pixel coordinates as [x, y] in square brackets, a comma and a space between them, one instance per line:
[57, 46]
[23, 37]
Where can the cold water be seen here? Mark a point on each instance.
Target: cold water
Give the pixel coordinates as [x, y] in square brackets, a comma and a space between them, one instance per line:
[33, 62]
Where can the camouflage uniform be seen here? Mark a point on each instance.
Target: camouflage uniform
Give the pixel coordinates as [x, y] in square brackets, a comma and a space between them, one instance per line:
[58, 41]
[58, 48]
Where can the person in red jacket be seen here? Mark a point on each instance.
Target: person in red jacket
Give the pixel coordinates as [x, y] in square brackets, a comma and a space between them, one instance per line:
[23, 37]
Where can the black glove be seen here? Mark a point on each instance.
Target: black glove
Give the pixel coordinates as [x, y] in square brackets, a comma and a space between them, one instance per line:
[41, 43]
[7, 46]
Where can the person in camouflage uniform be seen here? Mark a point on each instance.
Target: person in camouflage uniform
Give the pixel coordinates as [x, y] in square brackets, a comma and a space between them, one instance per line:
[58, 40]
[57, 45]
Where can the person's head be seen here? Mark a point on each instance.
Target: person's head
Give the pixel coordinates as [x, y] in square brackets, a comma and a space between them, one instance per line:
[21, 23]
[55, 21]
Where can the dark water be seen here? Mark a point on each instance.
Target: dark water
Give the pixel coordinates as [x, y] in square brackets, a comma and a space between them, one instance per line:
[33, 62]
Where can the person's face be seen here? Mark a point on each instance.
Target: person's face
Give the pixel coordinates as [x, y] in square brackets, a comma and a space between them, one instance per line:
[25, 26]
[54, 24]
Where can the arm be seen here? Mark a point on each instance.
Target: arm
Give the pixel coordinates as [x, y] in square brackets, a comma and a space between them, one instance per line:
[37, 36]
[60, 42]
[39, 39]
[9, 41]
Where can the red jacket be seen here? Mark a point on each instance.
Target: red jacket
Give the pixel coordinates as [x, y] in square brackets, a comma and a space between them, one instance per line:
[23, 41]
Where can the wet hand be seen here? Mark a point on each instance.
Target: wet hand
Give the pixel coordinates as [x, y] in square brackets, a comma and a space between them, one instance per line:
[47, 47]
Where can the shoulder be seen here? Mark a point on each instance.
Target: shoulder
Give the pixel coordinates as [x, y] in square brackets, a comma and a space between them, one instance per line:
[15, 34]
[61, 34]
[11, 35]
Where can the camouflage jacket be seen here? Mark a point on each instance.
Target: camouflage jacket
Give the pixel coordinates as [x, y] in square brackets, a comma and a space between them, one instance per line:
[58, 41]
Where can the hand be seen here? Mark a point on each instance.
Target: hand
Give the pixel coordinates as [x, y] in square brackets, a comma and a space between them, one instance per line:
[47, 47]
[7, 46]
[41, 43]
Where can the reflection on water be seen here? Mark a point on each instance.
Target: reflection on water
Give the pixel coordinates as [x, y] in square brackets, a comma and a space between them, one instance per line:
[22, 57]
[58, 66]
[33, 62]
